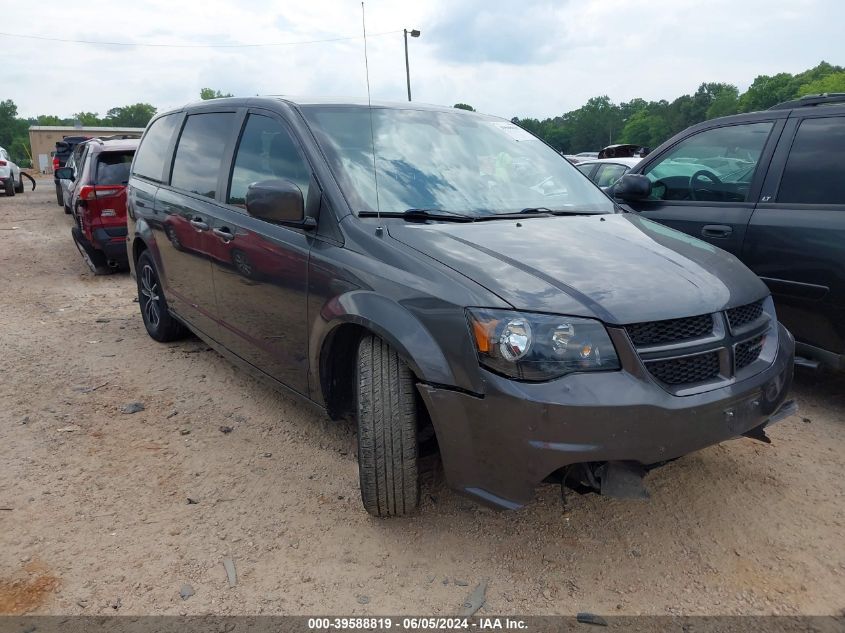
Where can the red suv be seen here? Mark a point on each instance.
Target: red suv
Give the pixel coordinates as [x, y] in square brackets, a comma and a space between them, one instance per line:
[98, 201]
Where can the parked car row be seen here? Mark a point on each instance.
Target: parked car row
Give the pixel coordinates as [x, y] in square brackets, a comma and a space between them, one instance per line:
[92, 186]
[450, 283]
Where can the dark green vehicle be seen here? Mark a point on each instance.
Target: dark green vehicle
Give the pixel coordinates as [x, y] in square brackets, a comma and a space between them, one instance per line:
[768, 187]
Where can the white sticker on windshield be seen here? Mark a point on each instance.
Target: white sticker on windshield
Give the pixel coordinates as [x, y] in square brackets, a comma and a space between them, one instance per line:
[514, 131]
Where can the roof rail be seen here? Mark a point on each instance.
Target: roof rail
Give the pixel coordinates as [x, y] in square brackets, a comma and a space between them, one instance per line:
[811, 100]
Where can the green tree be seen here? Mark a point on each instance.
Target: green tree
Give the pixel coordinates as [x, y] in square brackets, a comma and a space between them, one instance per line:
[8, 116]
[48, 119]
[210, 93]
[464, 106]
[88, 119]
[834, 82]
[766, 91]
[725, 101]
[135, 115]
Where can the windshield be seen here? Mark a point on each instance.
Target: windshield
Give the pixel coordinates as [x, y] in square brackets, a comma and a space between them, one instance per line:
[444, 161]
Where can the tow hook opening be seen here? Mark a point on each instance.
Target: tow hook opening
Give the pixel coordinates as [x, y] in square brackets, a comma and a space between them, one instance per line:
[617, 479]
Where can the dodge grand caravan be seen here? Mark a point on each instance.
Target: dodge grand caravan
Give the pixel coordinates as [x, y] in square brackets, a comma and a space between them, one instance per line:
[453, 284]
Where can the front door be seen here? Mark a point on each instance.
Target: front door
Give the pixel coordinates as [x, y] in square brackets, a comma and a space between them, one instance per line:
[705, 185]
[260, 269]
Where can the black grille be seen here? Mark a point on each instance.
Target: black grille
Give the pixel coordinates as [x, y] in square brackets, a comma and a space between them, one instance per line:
[670, 331]
[691, 369]
[737, 317]
[748, 351]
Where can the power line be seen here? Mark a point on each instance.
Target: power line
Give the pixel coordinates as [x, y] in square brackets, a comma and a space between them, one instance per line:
[70, 41]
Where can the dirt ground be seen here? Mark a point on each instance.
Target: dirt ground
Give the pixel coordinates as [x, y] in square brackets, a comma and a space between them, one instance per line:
[95, 518]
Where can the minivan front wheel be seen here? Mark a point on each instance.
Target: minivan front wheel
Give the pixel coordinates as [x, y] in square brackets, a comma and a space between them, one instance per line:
[387, 430]
[157, 319]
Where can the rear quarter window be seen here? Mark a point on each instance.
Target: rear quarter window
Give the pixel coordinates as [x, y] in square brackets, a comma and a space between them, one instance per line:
[151, 155]
[199, 154]
[815, 169]
[113, 168]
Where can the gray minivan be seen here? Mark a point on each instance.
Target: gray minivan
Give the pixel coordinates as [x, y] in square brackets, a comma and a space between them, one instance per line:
[452, 284]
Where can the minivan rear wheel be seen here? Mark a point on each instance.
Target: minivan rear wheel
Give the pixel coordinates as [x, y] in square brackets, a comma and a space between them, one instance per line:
[157, 319]
[387, 430]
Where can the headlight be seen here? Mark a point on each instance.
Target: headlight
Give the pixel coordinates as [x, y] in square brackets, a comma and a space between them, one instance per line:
[539, 347]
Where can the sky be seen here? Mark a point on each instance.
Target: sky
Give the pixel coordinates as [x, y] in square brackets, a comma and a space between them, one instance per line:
[530, 58]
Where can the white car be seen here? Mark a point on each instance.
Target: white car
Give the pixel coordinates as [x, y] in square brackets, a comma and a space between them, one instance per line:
[606, 171]
[10, 174]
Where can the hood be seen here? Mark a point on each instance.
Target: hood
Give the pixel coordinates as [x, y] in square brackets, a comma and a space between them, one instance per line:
[618, 268]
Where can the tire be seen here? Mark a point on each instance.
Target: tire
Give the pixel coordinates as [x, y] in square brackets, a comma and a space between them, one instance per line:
[160, 324]
[387, 430]
[19, 186]
[67, 209]
[9, 184]
[60, 200]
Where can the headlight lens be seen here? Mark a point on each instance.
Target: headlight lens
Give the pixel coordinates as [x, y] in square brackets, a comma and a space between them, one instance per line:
[537, 347]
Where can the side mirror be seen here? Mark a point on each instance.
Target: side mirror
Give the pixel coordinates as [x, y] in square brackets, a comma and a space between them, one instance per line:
[632, 187]
[278, 201]
[64, 173]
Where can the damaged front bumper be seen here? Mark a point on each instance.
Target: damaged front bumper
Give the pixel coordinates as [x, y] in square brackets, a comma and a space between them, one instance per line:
[499, 447]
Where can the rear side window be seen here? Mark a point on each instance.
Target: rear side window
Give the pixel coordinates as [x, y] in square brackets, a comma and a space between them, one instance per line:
[200, 152]
[815, 169]
[113, 168]
[151, 155]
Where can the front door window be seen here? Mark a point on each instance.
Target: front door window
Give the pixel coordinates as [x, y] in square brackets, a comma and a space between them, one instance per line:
[715, 165]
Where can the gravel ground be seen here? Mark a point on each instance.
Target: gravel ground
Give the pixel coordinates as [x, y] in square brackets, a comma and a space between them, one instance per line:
[95, 515]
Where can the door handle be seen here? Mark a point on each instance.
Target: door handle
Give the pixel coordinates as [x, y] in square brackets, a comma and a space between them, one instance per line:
[224, 234]
[716, 230]
[199, 224]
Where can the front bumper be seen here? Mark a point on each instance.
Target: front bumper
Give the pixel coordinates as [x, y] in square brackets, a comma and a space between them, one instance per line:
[499, 447]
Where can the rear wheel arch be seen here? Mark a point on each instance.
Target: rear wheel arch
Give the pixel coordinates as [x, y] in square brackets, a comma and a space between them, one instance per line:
[138, 247]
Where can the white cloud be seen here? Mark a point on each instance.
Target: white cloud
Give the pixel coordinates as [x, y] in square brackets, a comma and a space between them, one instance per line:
[527, 59]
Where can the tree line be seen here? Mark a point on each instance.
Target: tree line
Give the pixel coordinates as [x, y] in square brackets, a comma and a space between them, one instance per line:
[600, 122]
[594, 125]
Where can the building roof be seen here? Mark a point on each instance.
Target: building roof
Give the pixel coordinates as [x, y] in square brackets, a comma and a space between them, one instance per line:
[71, 128]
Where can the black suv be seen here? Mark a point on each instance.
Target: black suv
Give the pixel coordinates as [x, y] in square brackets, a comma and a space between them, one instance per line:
[449, 282]
[768, 187]
[64, 150]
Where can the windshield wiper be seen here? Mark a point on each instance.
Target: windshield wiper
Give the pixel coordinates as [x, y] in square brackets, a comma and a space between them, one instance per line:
[420, 215]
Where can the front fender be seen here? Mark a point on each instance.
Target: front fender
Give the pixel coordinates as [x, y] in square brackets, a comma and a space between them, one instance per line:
[393, 323]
